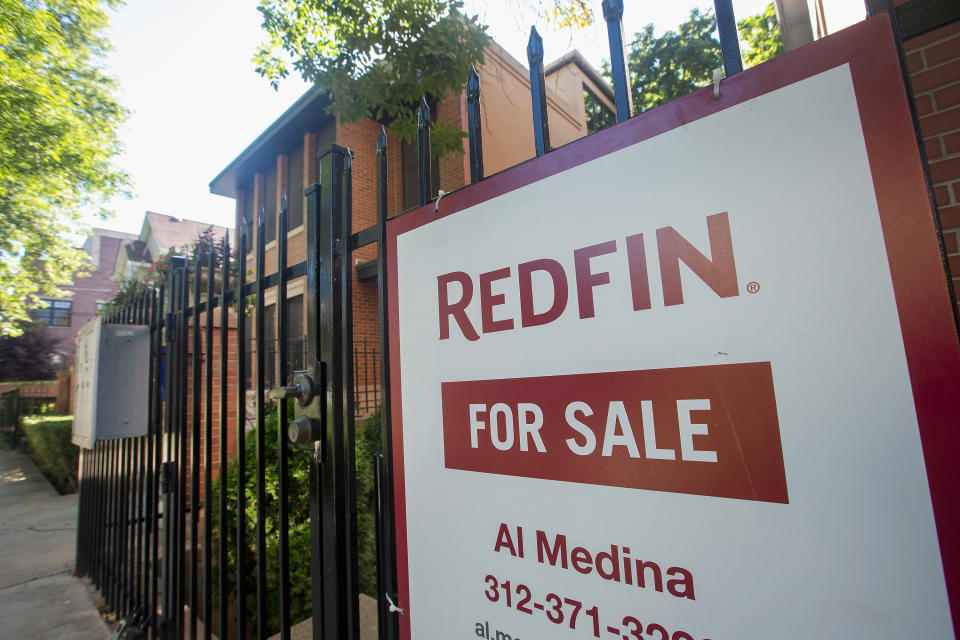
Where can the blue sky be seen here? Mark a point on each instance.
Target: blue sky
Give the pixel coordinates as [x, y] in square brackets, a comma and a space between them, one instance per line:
[185, 71]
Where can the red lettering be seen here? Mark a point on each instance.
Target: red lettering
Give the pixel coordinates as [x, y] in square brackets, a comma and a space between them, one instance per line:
[654, 571]
[528, 318]
[718, 272]
[488, 301]
[614, 559]
[457, 310]
[581, 560]
[558, 552]
[505, 541]
[586, 279]
[639, 282]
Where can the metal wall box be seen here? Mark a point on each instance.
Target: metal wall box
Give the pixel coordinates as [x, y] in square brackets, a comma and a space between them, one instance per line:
[112, 372]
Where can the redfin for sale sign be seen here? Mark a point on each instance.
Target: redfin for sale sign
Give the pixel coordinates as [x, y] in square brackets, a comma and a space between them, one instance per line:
[690, 378]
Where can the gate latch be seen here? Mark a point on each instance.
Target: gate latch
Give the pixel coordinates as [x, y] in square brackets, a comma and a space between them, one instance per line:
[302, 389]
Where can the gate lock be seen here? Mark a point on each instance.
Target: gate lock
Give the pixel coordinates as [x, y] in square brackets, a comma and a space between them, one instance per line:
[304, 429]
[301, 389]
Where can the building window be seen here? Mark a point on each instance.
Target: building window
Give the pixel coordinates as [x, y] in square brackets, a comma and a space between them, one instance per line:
[248, 217]
[295, 193]
[270, 206]
[270, 346]
[411, 176]
[54, 313]
[295, 338]
[599, 115]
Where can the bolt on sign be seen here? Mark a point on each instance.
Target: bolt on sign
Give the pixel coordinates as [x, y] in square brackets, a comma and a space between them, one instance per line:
[693, 377]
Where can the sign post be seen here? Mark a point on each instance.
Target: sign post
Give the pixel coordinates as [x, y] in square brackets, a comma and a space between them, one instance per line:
[691, 377]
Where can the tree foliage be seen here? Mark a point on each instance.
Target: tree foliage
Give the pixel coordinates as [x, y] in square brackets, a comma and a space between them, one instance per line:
[761, 35]
[58, 136]
[666, 67]
[374, 57]
[28, 356]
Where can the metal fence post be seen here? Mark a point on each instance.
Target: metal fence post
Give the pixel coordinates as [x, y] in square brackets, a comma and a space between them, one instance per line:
[538, 93]
[613, 14]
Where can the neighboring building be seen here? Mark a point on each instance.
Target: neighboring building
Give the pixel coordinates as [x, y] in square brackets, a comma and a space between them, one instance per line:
[931, 43]
[283, 160]
[158, 235]
[63, 316]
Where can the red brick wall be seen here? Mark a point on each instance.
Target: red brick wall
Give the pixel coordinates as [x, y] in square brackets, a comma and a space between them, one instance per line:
[231, 374]
[934, 62]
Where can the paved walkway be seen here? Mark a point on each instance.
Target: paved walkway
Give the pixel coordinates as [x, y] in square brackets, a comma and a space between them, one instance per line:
[39, 596]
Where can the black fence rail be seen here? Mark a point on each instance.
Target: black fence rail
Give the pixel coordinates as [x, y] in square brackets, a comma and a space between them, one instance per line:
[187, 530]
[10, 411]
[366, 377]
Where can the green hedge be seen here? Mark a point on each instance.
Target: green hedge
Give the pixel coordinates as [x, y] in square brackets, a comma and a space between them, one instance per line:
[49, 446]
[367, 445]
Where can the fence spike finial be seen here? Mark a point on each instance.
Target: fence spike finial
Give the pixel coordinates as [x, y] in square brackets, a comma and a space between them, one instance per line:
[423, 151]
[534, 47]
[474, 132]
[382, 139]
[423, 113]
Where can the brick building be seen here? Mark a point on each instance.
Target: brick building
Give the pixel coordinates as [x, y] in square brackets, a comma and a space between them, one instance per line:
[283, 160]
[934, 62]
[931, 43]
[63, 316]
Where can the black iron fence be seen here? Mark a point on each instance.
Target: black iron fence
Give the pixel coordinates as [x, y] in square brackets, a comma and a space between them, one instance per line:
[10, 411]
[180, 528]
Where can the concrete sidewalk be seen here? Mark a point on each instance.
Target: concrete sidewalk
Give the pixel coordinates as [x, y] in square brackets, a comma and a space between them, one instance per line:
[39, 596]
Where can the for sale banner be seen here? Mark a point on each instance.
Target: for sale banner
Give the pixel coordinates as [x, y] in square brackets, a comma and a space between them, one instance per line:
[684, 379]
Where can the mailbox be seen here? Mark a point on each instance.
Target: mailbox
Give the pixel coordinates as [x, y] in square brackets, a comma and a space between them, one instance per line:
[112, 382]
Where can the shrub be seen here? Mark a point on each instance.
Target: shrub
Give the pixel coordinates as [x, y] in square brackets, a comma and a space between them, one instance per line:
[49, 446]
[367, 445]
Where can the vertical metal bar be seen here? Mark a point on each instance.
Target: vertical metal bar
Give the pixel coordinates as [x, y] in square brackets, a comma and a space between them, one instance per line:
[83, 492]
[386, 554]
[139, 481]
[182, 452]
[195, 447]
[348, 449]
[283, 451]
[153, 425]
[613, 14]
[315, 275]
[127, 556]
[155, 453]
[261, 491]
[222, 537]
[423, 152]
[241, 442]
[208, 450]
[168, 479]
[474, 131]
[99, 515]
[115, 527]
[336, 600]
[538, 93]
[729, 43]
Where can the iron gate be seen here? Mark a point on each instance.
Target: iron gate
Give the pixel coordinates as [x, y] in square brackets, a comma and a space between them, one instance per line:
[180, 559]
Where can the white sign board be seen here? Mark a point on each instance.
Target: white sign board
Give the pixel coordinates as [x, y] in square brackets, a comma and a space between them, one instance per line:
[665, 392]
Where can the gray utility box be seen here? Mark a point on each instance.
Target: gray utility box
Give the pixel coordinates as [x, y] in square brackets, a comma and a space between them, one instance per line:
[113, 374]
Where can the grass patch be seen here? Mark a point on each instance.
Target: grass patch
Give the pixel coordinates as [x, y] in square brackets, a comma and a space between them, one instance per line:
[49, 446]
